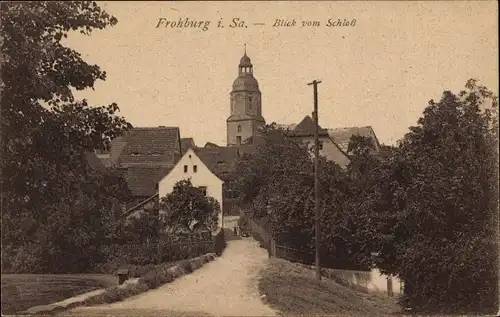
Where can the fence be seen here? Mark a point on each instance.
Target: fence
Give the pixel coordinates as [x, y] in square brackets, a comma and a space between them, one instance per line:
[156, 252]
[370, 280]
[231, 206]
[291, 254]
[259, 233]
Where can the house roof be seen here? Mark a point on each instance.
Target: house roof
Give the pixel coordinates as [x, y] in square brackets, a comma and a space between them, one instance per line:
[247, 148]
[117, 146]
[106, 161]
[342, 135]
[219, 160]
[286, 127]
[143, 180]
[94, 162]
[306, 128]
[210, 144]
[148, 146]
[187, 143]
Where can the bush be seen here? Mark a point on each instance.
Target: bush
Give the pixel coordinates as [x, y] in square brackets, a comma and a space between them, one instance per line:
[220, 243]
[168, 249]
[152, 276]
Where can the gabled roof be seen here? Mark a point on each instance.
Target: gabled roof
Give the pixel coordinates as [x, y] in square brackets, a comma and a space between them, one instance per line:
[117, 146]
[148, 146]
[306, 128]
[204, 158]
[143, 180]
[219, 160]
[94, 162]
[187, 143]
[342, 135]
[210, 144]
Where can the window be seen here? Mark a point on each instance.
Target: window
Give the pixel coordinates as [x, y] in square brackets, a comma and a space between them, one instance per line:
[238, 140]
[203, 190]
[195, 168]
[239, 128]
[185, 168]
[231, 194]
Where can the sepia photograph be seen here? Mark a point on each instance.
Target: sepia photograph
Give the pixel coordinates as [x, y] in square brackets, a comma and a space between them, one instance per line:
[249, 158]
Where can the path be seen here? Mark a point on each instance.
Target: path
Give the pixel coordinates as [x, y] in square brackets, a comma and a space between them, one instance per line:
[227, 286]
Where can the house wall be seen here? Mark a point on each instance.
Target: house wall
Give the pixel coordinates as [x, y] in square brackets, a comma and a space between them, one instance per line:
[372, 281]
[203, 177]
[330, 150]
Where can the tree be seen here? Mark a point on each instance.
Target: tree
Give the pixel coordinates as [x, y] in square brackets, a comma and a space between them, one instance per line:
[46, 180]
[275, 156]
[188, 209]
[277, 178]
[436, 206]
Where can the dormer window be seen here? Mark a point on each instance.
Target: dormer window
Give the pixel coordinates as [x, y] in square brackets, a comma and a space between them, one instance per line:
[135, 154]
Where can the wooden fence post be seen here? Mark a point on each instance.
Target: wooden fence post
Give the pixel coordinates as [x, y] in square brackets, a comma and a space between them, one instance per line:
[389, 287]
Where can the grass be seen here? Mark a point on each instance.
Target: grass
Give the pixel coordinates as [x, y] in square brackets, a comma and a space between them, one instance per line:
[117, 312]
[22, 291]
[292, 289]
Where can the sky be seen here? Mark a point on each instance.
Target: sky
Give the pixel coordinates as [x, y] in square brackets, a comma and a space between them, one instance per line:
[381, 72]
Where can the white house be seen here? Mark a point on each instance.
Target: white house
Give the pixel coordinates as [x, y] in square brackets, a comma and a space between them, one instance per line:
[190, 166]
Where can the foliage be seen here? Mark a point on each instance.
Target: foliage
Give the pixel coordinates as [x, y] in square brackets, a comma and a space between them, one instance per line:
[162, 251]
[146, 226]
[52, 202]
[425, 211]
[436, 204]
[275, 156]
[277, 178]
[188, 210]
[151, 278]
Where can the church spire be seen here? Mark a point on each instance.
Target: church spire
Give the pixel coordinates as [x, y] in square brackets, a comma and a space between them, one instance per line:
[245, 67]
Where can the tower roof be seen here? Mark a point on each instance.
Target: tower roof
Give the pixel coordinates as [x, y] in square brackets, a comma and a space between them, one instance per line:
[245, 61]
[245, 80]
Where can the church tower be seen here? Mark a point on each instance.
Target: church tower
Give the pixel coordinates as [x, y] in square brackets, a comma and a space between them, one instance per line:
[246, 108]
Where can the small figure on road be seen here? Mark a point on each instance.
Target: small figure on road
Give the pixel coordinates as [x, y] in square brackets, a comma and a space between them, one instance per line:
[235, 229]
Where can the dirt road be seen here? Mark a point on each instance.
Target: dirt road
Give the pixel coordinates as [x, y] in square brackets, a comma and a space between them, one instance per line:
[227, 286]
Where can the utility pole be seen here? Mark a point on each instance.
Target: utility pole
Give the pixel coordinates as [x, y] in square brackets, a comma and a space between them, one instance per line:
[316, 174]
